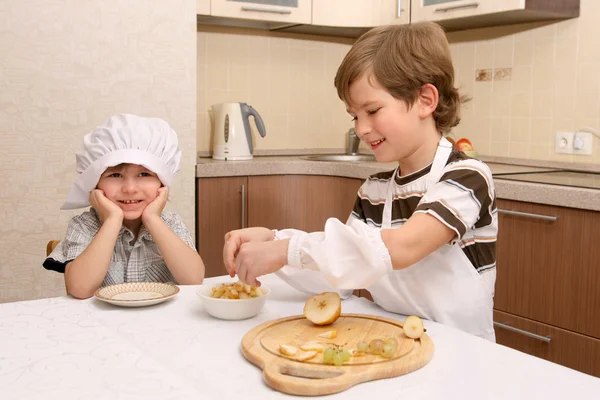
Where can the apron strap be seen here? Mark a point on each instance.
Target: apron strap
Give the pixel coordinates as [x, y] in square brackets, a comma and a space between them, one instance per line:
[442, 154]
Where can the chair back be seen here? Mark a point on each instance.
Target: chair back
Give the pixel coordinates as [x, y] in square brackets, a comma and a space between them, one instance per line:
[50, 246]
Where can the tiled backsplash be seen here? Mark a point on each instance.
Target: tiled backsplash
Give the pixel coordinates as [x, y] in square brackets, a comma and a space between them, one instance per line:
[526, 81]
[287, 78]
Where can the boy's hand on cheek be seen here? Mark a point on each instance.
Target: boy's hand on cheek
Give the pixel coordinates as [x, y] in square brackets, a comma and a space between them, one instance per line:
[106, 208]
[154, 209]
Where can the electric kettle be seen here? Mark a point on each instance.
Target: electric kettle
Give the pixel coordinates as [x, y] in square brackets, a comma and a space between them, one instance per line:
[233, 139]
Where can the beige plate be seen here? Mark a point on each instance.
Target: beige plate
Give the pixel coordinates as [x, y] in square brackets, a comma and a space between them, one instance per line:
[136, 294]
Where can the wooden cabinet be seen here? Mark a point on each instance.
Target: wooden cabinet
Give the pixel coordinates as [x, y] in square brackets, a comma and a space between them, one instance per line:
[549, 270]
[280, 201]
[221, 207]
[287, 11]
[465, 14]
[561, 346]
[354, 13]
[548, 279]
[299, 201]
[402, 13]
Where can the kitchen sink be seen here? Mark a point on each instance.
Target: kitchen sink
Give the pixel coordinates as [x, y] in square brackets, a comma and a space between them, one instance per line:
[341, 157]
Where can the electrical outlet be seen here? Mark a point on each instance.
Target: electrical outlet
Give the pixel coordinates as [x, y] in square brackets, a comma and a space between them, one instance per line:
[571, 143]
[563, 143]
[583, 143]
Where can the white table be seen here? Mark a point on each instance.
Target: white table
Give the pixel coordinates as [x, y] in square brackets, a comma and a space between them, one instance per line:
[62, 348]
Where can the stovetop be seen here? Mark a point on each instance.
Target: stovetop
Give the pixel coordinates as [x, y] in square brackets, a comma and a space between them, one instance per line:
[555, 177]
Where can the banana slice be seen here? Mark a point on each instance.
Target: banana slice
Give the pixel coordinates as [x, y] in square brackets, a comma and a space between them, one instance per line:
[413, 327]
[306, 356]
[323, 309]
[288, 350]
[329, 334]
[312, 346]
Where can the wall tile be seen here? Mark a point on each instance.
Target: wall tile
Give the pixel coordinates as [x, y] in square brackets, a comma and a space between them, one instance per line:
[523, 53]
[543, 52]
[541, 131]
[503, 52]
[520, 130]
[484, 54]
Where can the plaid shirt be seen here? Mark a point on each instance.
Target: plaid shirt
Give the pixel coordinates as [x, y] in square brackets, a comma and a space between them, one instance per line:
[140, 261]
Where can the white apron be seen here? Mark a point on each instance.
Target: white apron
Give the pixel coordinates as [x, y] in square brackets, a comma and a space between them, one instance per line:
[444, 286]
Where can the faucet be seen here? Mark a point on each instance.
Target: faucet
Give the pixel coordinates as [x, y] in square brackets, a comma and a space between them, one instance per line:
[353, 142]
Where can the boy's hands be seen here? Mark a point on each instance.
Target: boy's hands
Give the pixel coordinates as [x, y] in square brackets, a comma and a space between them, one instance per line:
[234, 241]
[255, 259]
[106, 208]
[154, 209]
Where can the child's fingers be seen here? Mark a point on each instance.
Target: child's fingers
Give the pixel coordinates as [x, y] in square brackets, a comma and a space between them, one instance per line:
[229, 250]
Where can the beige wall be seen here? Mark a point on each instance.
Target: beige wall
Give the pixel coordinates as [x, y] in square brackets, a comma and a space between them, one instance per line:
[287, 78]
[66, 66]
[555, 85]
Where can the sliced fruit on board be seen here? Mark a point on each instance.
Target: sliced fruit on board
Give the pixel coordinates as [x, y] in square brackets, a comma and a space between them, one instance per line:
[413, 327]
[323, 309]
[329, 334]
[288, 350]
[313, 345]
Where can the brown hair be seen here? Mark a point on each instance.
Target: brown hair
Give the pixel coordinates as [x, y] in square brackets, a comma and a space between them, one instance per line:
[403, 58]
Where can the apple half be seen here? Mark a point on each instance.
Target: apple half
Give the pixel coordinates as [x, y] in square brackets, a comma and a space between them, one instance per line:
[323, 309]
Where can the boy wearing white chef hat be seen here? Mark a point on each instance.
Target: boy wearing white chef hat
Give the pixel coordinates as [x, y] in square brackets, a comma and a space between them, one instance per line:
[421, 238]
[125, 170]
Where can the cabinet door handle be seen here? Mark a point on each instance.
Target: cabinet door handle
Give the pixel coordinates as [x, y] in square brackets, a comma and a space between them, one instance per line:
[243, 206]
[474, 4]
[267, 10]
[400, 9]
[545, 339]
[550, 218]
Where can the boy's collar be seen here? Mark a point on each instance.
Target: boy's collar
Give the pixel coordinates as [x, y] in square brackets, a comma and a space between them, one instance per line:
[143, 233]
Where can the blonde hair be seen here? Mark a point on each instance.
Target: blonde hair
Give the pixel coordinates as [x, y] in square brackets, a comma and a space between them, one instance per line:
[403, 58]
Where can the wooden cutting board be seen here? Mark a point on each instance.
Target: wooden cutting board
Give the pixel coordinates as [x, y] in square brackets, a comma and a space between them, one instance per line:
[260, 346]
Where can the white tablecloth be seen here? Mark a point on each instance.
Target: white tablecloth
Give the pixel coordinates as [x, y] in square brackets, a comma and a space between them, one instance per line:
[62, 348]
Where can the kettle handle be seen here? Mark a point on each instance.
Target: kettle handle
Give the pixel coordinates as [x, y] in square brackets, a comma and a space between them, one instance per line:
[247, 110]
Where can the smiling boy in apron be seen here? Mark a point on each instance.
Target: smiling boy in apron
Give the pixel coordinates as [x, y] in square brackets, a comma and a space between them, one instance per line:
[421, 238]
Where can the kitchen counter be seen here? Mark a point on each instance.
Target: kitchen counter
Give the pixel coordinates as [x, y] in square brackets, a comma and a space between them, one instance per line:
[565, 196]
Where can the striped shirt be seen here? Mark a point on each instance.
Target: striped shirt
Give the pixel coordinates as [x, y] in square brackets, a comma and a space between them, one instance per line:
[464, 200]
[138, 261]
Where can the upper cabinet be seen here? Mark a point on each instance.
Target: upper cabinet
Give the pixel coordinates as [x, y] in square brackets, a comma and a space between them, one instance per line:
[465, 14]
[346, 18]
[285, 11]
[355, 13]
[351, 18]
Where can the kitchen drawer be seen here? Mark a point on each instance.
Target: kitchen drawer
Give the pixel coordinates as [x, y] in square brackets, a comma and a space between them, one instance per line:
[567, 348]
[548, 267]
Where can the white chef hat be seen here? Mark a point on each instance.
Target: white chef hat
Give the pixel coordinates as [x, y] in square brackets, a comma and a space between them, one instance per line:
[124, 138]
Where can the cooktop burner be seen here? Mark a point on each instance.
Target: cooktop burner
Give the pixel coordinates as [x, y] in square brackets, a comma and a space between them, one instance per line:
[557, 177]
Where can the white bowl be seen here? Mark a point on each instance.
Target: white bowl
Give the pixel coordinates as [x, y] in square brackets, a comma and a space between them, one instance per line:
[231, 309]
